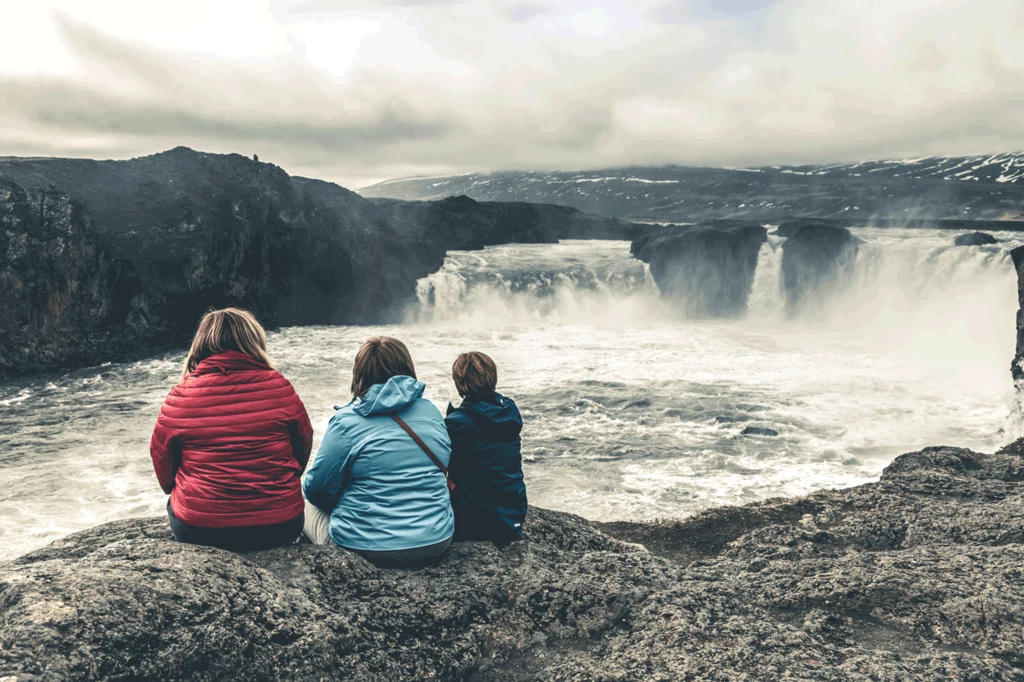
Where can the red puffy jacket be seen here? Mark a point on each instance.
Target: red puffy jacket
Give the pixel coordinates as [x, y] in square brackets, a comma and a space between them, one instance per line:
[231, 443]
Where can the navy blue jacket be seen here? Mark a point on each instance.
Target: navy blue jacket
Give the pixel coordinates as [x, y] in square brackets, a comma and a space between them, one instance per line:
[486, 467]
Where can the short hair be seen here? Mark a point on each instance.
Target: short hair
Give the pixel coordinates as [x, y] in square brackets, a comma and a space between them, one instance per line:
[227, 329]
[475, 375]
[379, 359]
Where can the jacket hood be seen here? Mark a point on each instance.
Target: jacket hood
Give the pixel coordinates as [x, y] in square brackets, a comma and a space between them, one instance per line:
[228, 361]
[391, 397]
[495, 414]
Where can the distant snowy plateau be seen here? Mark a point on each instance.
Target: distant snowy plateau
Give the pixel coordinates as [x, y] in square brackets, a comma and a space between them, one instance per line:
[987, 187]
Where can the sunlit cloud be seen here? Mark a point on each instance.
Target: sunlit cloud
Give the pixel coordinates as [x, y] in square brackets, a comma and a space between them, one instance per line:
[359, 90]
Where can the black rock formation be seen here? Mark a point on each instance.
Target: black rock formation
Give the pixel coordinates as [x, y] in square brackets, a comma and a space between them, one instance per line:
[113, 259]
[56, 283]
[975, 239]
[816, 262]
[1017, 367]
[707, 269]
[916, 577]
[787, 228]
[759, 431]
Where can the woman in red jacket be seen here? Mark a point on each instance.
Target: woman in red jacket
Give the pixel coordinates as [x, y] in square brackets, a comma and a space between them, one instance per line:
[232, 441]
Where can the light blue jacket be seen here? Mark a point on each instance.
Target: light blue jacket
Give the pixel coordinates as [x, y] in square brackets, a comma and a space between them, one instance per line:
[382, 491]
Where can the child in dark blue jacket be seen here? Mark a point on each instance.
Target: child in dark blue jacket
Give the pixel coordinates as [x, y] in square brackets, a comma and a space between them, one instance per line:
[489, 497]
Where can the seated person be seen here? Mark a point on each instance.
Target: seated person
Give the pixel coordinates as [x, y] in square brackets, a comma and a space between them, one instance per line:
[231, 441]
[489, 494]
[372, 487]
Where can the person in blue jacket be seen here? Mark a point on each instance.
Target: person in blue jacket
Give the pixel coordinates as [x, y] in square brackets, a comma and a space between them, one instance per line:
[372, 488]
[489, 494]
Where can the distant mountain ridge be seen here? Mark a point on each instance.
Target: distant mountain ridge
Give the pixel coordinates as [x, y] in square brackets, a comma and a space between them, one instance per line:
[982, 187]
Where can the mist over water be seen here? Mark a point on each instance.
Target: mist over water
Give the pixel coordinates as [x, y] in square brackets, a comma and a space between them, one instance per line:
[632, 411]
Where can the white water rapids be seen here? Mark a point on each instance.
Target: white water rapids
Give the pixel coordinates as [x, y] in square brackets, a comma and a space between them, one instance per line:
[631, 411]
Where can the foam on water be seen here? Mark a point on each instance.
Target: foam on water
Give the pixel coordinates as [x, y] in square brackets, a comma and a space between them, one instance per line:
[631, 411]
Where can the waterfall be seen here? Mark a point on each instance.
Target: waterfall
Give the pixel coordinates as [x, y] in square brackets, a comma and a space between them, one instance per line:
[767, 300]
[909, 291]
[573, 281]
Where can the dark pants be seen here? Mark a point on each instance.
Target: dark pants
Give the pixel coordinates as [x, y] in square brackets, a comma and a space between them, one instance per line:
[244, 539]
[473, 523]
[416, 557]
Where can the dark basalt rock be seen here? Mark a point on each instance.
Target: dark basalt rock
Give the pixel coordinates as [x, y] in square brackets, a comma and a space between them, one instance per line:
[915, 577]
[759, 431]
[788, 228]
[707, 269]
[1016, 368]
[816, 262]
[120, 258]
[975, 239]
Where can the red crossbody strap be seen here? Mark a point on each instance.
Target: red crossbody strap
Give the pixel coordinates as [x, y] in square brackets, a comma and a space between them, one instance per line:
[423, 446]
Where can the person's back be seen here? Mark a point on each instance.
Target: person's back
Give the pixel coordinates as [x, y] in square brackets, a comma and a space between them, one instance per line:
[231, 442]
[489, 494]
[371, 487]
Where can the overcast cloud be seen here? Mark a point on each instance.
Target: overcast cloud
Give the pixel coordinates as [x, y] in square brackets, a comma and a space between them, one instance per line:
[360, 90]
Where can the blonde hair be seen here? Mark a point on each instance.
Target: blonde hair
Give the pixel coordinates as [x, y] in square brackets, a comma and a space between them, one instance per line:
[227, 329]
[379, 359]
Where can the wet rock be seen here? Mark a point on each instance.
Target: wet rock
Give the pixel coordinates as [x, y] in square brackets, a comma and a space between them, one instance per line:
[708, 269]
[914, 577]
[817, 261]
[759, 431]
[1016, 368]
[975, 239]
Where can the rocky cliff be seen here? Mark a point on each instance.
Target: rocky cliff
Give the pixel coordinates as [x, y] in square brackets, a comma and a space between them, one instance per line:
[106, 260]
[817, 261]
[915, 577]
[707, 270]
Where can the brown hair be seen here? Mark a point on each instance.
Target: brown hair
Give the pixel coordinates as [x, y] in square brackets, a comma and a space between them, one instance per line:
[475, 374]
[227, 329]
[379, 359]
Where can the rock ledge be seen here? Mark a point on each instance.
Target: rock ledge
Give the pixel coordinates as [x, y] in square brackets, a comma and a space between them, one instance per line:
[918, 576]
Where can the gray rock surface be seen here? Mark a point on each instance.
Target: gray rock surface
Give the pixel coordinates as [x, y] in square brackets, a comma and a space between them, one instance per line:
[916, 577]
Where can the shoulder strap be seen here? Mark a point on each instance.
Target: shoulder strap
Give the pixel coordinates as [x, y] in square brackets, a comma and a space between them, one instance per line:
[423, 446]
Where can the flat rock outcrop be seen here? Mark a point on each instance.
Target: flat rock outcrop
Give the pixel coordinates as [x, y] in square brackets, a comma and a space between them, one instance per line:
[707, 270]
[109, 260]
[915, 577]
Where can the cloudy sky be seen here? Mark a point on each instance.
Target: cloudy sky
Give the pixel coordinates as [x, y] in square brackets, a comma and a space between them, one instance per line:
[361, 90]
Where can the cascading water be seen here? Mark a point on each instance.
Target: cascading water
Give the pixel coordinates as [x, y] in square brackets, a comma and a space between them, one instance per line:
[631, 410]
[767, 300]
[573, 281]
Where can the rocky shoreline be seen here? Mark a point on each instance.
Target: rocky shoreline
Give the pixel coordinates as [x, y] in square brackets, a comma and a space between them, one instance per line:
[915, 577]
